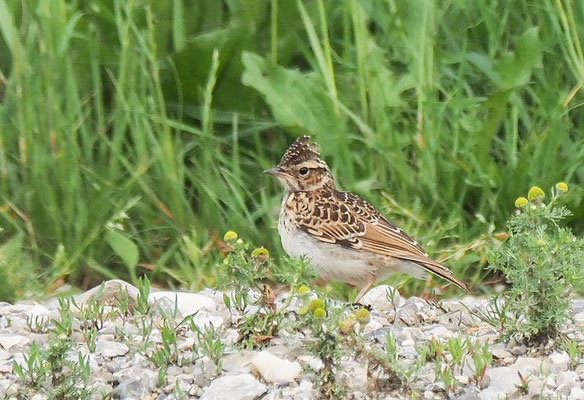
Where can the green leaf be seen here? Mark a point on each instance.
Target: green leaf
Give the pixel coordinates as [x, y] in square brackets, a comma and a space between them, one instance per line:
[298, 101]
[515, 68]
[123, 247]
[7, 26]
[11, 249]
[178, 27]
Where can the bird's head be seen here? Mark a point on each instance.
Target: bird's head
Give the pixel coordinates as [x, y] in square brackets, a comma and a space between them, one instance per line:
[301, 168]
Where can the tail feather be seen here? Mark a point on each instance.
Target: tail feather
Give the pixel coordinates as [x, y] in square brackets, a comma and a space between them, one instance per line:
[434, 267]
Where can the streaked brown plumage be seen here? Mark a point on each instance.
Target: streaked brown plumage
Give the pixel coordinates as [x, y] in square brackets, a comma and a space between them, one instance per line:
[345, 236]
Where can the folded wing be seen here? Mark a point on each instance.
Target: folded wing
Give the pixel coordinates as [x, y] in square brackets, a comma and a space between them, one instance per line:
[345, 219]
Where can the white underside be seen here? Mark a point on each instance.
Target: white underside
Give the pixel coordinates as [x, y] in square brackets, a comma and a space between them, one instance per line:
[334, 262]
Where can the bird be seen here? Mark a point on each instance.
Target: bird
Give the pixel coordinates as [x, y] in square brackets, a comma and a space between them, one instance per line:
[344, 237]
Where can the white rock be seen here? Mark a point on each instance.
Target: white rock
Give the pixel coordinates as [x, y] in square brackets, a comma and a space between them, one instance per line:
[354, 374]
[304, 391]
[273, 369]
[566, 380]
[8, 388]
[490, 395]
[377, 298]
[135, 382]
[230, 337]
[186, 344]
[238, 361]
[580, 371]
[576, 394]
[234, 387]
[502, 380]
[204, 320]
[38, 312]
[187, 303]
[371, 326]
[579, 317]
[438, 332]
[559, 361]
[500, 353]
[111, 349]
[111, 291]
[550, 383]
[532, 365]
[428, 395]
[535, 386]
[8, 341]
[314, 363]
[5, 355]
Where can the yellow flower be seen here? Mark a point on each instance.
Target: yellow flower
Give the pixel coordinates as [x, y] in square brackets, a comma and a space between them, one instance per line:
[561, 187]
[363, 315]
[302, 310]
[535, 193]
[520, 202]
[315, 303]
[260, 252]
[302, 290]
[230, 236]
[346, 324]
[319, 313]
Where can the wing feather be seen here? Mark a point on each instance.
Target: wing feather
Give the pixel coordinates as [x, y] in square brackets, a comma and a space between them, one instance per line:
[346, 219]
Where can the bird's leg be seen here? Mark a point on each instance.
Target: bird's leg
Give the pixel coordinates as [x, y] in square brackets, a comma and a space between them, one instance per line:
[364, 290]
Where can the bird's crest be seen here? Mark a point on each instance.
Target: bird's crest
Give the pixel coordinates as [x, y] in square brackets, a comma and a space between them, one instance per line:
[301, 150]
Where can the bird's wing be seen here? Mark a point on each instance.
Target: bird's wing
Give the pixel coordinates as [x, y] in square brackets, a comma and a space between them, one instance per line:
[347, 220]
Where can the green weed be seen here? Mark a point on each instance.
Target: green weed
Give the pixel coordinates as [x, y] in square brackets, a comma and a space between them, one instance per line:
[540, 260]
[48, 371]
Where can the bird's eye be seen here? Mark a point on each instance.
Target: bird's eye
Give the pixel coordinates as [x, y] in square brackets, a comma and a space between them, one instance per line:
[303, 171]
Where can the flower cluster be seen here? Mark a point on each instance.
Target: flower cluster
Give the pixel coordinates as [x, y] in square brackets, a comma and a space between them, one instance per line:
[537, 195]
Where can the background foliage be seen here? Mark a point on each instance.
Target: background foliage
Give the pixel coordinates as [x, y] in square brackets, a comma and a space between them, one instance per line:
[132, 129]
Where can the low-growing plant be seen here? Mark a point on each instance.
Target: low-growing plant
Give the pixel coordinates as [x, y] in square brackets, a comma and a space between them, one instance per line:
[37, 323]
[523, 385]
[208, 343]
[574, 351]
[167, 352]
[387, 370]
[92, 314]
[90, 336]
[142, 305]
[322, 317]
[48, 371]
[64, 325]
[457, 348]
[539, 262]
[250, 273]
[445, 373]
[482, 358]
[450, 359]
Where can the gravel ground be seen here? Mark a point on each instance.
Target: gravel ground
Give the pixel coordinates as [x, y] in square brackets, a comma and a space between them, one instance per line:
[401, 349]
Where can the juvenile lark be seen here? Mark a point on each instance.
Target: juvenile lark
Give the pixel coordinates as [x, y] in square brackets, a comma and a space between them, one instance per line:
[345, 238]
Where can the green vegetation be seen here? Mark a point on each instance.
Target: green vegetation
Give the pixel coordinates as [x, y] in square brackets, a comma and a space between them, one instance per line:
[48, 370]
[131, 130]
[247, 272]
[539, 261]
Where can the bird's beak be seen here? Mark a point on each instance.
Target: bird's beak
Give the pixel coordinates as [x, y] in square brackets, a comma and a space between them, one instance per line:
[273, 171]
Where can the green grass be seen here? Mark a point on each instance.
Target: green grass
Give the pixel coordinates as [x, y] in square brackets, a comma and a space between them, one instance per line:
[158, 118]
